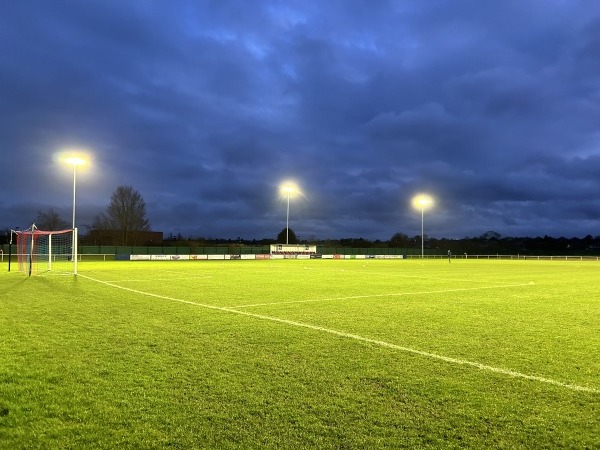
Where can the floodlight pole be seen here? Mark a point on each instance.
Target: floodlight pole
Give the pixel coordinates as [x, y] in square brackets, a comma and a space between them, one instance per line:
[288, 189]
[287, 218]
[422, 233]
[420, 202]
[75, 161]
[74, 190]
[74, 244]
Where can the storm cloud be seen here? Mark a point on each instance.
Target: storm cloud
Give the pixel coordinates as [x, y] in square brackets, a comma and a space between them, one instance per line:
[205, 107]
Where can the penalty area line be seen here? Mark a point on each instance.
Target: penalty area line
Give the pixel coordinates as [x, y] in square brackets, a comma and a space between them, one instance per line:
[455, 361]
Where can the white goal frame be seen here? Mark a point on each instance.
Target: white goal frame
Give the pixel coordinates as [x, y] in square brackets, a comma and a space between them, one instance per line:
[41, 251]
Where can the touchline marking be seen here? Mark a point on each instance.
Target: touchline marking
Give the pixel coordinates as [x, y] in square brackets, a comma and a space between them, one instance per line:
[393, 294]
[356, 337]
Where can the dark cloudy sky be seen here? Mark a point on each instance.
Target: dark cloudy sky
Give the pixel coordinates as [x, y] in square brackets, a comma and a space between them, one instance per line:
[206, 106]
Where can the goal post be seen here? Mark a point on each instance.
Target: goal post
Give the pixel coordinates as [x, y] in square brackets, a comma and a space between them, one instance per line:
[40, 251]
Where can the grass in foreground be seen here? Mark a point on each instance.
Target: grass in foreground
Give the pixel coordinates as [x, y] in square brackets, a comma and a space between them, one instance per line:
[302, 354]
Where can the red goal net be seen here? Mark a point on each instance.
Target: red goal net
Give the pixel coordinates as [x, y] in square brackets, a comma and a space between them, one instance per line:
[40, 251]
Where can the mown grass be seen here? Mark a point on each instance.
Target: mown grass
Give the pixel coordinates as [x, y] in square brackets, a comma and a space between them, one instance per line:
[302, 354]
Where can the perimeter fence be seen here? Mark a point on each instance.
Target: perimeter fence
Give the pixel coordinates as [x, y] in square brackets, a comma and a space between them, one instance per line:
[108, 253]
[238, 250]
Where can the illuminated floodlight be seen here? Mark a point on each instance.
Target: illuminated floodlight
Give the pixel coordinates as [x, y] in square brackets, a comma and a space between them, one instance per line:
[74, 159]
[422, 202]
[288, 189]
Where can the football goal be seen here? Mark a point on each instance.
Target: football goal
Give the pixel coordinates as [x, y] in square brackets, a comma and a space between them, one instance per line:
[40, 251]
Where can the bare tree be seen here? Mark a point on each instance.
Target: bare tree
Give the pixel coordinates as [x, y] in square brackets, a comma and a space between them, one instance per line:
[50, 221]
[100, 222]
[126, 213]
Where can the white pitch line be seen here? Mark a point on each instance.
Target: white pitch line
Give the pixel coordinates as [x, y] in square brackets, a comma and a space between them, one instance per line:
[145, 280]
[401, 275]
[393, 294]
[356, 337]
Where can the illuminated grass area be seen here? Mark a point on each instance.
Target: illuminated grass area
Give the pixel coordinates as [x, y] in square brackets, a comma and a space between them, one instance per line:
[302, 354]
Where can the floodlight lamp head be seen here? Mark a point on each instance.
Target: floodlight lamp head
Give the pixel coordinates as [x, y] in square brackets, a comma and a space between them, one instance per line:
[422, 201]
[288, 189]
[72, 157]
[75, 161]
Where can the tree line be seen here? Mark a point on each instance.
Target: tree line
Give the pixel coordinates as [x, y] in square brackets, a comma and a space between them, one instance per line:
[124, 217]
[125, 220]
[489, 243]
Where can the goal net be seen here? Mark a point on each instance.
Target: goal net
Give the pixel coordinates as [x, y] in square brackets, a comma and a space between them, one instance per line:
[41, 251]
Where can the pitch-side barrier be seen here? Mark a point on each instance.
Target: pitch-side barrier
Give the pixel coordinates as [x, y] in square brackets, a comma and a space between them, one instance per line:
[127, 257]
[255, 257]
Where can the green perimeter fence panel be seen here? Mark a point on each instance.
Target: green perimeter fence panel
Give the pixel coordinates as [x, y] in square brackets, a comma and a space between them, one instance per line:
[100, 249]
[234, 250]
[212, 250]
[362, 251]
[255, 250]
[326, 250]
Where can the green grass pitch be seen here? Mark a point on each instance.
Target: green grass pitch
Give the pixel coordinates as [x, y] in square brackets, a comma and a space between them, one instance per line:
[296, 354]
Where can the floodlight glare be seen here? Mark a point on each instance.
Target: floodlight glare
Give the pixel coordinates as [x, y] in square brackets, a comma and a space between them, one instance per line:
[422, 201]
[288, 189]
[75, 160]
